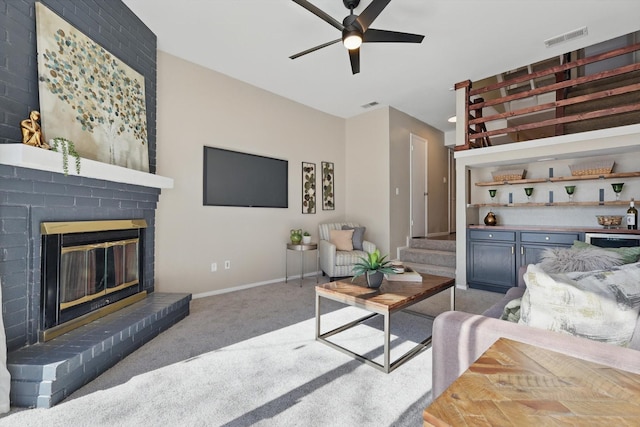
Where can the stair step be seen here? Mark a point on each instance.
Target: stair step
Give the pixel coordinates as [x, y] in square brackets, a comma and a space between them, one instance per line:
[428, 256]
[442, 245]
[437, 270]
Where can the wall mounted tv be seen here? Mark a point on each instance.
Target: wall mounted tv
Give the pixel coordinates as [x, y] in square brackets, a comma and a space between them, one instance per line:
[232, 178]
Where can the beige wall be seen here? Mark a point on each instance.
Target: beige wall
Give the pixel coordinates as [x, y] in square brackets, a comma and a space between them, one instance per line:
[198, 107]
[367, 157]
[378, 163]
[401, 128]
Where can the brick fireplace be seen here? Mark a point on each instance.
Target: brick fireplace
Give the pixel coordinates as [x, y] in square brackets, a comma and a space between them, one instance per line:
[34, 192]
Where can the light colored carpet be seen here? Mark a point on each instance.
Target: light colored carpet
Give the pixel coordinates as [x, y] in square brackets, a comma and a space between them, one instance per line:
[250, 358]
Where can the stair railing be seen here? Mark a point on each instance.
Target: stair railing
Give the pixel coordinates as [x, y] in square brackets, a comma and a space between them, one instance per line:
[476, 133]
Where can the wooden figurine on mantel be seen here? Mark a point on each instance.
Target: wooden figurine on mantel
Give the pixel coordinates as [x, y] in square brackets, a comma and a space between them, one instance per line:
[31, 132]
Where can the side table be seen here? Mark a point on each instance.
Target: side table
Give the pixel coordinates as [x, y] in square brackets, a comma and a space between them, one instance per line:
[302, 248]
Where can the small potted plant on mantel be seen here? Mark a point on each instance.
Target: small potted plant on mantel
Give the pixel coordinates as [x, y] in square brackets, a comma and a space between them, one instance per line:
[374, 267]
[66, 148]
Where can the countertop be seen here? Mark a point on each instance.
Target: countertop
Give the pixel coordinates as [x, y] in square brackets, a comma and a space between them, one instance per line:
[551, 228]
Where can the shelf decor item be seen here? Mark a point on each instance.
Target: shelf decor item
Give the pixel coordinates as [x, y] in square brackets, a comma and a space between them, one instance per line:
[601, 167]
[308, 188]
[617, 188]
[508, 175]
[66, 148]
[32, 132]
[570, 189]
[610, 221]
[492, 193]
[490, 219]
[528, 191]
[296, 236]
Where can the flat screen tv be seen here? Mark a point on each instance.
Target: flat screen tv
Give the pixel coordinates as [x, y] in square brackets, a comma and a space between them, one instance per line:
[232, 178]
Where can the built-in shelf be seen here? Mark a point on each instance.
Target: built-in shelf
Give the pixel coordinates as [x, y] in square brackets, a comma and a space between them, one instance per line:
[561, 179]
[534, 205]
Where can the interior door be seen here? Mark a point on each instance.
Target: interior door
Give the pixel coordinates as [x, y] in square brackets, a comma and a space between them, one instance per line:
[419, 195]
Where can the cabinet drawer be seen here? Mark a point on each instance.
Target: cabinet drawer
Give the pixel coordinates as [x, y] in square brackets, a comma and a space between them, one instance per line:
[504, 236]
[554, 238]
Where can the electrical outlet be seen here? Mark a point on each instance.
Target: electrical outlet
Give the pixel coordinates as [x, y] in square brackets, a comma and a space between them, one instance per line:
[227, 265]
[214, 267]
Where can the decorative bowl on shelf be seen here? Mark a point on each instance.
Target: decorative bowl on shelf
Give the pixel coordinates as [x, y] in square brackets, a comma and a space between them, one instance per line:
[609, 220]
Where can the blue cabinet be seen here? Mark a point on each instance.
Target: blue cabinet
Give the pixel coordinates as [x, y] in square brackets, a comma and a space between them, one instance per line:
[491, 260]
[533, 244]
[494, 257]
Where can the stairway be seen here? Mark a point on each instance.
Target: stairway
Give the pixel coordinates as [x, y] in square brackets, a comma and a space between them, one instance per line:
[431, 256]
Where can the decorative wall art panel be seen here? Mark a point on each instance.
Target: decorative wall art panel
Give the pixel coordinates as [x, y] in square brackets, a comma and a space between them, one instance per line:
[328, 187]
[308, 188]
[89, 96]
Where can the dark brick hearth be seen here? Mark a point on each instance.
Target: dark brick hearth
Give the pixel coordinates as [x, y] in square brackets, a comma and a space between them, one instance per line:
[44, 374]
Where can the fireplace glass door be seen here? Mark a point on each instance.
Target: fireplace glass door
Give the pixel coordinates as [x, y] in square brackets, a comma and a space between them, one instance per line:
[89, 272]
[87, 266]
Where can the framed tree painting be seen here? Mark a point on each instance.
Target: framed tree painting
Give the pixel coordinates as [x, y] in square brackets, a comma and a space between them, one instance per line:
[308, 188]
[328, 187]
[89, 96]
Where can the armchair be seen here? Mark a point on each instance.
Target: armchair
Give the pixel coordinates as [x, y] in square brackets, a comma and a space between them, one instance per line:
[339, 263]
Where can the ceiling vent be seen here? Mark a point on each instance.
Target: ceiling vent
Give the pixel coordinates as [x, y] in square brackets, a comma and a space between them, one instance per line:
[580, 32]
[370, 104]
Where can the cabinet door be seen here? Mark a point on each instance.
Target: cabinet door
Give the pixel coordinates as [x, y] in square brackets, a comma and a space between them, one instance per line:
[533, 244]
[532, 254]
[491, 265]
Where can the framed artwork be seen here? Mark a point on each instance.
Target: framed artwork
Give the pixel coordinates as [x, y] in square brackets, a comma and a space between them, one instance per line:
[89, 96]
[308, 188]
[328, 187]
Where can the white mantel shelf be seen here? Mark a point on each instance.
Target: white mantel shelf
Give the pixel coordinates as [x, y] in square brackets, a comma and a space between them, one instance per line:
[26, 156]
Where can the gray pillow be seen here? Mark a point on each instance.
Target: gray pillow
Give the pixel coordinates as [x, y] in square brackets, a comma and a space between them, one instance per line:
[565, 260]
[358, 236]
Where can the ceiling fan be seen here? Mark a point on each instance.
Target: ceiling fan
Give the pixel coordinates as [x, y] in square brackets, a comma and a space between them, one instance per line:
[355, 29]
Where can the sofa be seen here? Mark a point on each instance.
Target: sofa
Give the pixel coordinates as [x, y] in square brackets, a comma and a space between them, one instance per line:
[336, 259]
[460, 338]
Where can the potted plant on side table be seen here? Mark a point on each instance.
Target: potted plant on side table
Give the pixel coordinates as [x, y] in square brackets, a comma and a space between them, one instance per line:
[374, 267]
[306, 238]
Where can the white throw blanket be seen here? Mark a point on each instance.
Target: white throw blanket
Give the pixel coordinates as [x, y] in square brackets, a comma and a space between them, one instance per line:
[5, 377]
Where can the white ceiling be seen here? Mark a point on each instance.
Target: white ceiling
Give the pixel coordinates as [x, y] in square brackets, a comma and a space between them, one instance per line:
[251, 40]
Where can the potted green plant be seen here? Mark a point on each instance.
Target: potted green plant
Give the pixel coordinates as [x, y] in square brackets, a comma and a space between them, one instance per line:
[374, 267]
[66, 148]
[306, 238]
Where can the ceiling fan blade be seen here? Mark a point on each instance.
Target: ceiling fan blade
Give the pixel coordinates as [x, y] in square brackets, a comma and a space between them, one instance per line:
[371, 12]
[320, 14]
[384, 36]
[354, 57]
[313, 49]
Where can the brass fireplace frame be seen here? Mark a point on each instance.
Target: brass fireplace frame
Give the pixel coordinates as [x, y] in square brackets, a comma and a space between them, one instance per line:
[71, 227]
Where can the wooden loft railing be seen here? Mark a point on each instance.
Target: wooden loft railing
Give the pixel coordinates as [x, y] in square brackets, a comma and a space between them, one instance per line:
[477, 135]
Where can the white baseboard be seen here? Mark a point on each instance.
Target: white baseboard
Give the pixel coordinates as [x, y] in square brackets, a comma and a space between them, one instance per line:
[251, 285]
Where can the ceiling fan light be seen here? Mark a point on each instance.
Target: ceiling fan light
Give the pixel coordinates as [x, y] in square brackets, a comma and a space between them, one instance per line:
[352, 39]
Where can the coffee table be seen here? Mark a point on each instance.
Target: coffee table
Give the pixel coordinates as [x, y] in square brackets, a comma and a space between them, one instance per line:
[518, 384]
[390, 298]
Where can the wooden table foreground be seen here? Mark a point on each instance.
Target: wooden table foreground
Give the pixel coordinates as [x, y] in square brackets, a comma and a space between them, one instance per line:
[517, 384]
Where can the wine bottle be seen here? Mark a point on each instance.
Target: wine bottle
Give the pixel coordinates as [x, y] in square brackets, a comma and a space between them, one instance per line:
[632, 216]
